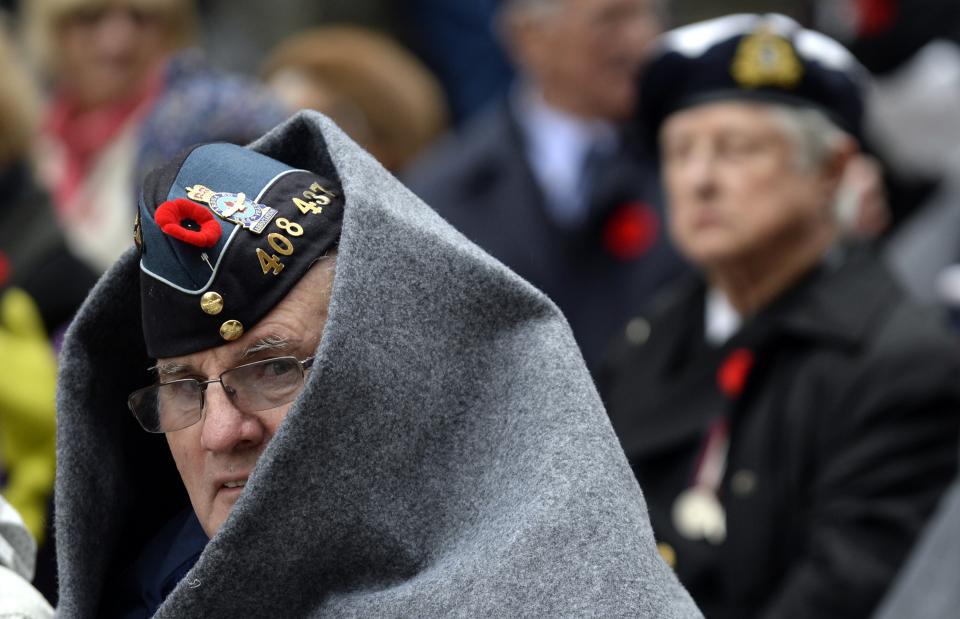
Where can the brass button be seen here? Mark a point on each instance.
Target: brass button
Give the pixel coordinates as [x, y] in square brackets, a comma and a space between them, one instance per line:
[638, 331]
[668, 553]
[231, 330]
[743, 482]
[211, 303]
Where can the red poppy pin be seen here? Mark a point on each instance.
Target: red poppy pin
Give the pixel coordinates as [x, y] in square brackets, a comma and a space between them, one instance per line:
[189, 222]
[631, 230]
[875, 17]
[734, 371]
[4, 268]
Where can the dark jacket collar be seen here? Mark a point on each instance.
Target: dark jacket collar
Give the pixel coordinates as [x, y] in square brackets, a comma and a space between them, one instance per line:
[841, 302]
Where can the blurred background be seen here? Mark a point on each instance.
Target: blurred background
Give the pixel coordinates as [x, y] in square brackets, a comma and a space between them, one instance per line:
[94, 93]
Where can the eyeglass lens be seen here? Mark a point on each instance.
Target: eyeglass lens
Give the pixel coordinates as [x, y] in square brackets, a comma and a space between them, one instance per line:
[253, 387]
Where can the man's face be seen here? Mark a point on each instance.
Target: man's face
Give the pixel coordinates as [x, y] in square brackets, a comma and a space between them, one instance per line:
[224, 446]
[734, 187]
[105, 54]
[584, 54]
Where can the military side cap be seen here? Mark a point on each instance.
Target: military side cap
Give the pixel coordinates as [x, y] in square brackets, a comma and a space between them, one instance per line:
[224, 233]
[766, 58]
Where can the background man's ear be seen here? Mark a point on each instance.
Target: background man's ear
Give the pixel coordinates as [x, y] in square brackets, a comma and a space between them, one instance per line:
[836, 164]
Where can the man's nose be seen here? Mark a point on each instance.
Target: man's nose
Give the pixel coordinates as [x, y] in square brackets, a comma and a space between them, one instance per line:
[225, 427]
[700, 174]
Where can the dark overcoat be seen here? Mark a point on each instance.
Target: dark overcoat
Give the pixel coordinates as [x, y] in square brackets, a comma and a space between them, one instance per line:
[481, 182]
[842, 439]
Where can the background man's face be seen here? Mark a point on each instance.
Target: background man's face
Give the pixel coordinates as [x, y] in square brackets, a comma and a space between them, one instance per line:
[585, 54]
[733, 184]
[224, 446]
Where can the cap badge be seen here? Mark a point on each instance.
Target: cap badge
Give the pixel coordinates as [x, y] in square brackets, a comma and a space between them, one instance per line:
[234, 207]
[766, 59]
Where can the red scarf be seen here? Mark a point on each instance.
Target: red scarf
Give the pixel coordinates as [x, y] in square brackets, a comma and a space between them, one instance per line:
[85, 134]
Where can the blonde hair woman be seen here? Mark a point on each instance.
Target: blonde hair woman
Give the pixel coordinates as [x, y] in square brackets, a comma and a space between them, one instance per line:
[123, 96]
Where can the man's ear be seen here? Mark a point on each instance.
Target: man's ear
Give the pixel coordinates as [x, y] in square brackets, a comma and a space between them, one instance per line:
[833, 167]
[835, 164]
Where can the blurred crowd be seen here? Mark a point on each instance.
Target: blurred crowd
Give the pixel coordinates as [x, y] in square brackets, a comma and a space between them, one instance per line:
[773, 340]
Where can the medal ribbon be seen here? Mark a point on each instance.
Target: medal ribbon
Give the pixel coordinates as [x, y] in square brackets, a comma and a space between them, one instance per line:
[712, 462]
[697, 512]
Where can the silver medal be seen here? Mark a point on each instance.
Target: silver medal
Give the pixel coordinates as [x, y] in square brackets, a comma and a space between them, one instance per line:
[698, 515]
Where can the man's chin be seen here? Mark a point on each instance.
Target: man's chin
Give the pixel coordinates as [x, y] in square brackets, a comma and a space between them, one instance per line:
[221, 508]
[707, 251]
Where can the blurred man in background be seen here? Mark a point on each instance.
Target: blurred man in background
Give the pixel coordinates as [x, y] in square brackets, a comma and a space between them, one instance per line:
[792, 416]
[541, 181]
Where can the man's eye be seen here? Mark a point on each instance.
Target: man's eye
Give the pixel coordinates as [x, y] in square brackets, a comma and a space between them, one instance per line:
[183, 388]
[276, 368]
[738, 148]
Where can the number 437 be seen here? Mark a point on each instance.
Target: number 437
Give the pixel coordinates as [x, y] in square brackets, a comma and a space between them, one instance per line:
[270, 263]
[310, 206]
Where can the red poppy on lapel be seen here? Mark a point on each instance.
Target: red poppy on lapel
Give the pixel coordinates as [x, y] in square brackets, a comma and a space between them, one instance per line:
[189, 222]
[4, 268]
[631, 230]
[734, 371]
[875, 17]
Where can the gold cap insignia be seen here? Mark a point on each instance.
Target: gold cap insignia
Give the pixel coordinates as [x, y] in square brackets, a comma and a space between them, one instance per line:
[766, 59]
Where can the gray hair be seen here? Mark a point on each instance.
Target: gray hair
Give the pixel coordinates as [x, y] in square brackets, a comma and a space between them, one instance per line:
[815, 136]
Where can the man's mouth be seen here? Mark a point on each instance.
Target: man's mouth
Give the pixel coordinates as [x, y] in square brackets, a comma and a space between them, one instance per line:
[240, 483]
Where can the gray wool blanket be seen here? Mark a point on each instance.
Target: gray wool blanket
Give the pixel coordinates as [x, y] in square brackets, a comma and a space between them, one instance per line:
[448, 457]
[928, 587]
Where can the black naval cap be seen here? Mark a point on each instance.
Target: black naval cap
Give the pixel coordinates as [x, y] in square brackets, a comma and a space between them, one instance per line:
[765, 58]
[224, 233]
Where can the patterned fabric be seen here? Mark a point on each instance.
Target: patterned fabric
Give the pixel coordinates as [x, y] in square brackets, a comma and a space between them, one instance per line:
[17, 551]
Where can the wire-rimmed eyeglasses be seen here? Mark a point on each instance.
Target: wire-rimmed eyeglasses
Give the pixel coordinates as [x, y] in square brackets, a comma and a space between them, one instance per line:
[252, 387]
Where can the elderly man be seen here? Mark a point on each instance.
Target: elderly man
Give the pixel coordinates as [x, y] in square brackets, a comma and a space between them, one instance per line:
[542, 180]
[791, 416]
[400, 427]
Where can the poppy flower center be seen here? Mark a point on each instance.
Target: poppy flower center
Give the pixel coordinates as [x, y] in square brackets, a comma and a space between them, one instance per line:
[190, 224]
